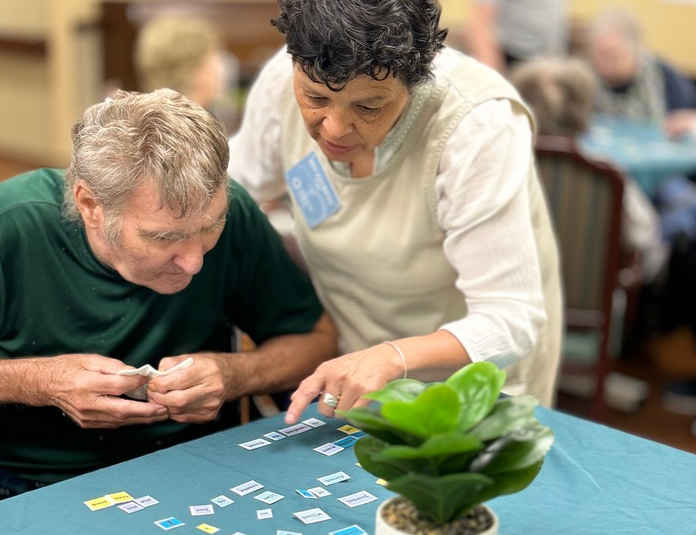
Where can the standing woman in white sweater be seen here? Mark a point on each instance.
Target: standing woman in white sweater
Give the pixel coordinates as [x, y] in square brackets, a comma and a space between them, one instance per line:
[417, 206]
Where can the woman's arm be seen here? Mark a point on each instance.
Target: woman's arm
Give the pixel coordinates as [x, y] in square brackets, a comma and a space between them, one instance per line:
[484, 210]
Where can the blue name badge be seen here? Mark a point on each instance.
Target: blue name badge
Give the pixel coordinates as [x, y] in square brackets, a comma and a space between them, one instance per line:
[312, 190]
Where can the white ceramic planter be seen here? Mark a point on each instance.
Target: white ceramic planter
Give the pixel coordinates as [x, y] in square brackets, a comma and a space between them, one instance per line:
[382, 528]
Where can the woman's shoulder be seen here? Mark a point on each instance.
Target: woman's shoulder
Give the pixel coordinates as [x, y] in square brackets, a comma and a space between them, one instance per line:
[454, 66]
[447, 60]
[277, 70]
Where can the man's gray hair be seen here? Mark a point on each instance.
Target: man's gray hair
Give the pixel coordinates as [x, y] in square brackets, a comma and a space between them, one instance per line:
[159, 138]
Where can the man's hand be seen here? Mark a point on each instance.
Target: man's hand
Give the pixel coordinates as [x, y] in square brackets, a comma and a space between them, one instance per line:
[87, 389]
[197, 393]
[194, 394]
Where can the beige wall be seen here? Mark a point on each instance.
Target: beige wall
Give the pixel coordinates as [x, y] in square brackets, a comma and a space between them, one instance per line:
[40, 98]
[26, 16]
[26, 120]
[24, 102]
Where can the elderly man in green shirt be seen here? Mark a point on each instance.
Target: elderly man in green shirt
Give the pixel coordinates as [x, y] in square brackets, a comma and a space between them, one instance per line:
[142, 252]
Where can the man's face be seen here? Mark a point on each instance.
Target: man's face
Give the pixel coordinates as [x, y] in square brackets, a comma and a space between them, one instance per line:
[155, 248]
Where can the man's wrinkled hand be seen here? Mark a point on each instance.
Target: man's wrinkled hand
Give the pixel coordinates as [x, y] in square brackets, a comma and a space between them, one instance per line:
[88, 389]
[194, 394]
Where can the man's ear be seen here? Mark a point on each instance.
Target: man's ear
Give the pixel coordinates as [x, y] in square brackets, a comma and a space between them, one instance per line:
[90, 209]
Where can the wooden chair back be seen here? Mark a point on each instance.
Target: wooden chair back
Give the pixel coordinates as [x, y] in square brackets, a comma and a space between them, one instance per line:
[585, 198]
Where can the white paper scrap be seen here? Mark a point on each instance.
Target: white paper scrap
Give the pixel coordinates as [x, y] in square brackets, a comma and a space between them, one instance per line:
[359, 498]
[319, 492]
[146, 501]
[274, 435]
[269, 497]
[295, 429]
[131, 507]
[222, 501]
[314, 422]
[254, 444]
[150, 372]
[311, 516]
[334, 478]
[263, 514]
[199, 510]
[329, 449]
[246, 488]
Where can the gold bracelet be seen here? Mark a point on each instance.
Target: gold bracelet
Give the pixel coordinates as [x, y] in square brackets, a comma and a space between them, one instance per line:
[401, 354]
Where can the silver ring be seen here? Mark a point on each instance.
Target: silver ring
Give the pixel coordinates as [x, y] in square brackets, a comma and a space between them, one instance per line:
[330, 400]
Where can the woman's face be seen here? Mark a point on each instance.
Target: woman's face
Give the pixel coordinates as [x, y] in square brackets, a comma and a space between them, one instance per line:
[351, 123]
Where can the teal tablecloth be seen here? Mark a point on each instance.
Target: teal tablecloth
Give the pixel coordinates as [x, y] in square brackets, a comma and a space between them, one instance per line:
[641, 149]
[595, 481]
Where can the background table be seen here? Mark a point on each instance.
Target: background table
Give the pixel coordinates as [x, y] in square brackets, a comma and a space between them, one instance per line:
[595, 481]
[641, 149]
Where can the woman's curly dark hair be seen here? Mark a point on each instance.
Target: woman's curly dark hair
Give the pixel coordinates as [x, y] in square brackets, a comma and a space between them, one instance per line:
[334, 41]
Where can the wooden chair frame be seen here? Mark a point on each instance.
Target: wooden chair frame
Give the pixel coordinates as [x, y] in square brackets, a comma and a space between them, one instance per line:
[564, 152]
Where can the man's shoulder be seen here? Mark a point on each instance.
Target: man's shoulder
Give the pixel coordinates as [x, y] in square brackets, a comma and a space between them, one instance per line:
[41, 186]
[239, 196]
[243, 214]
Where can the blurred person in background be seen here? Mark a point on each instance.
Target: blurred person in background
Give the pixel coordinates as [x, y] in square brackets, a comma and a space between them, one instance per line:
[681, 123]
[637, 85]
[633, 82]
[675, 350]
[186, 54]
[561, 94]
[501, 33]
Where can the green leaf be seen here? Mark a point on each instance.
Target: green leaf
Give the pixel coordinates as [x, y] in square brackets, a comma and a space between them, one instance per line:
[399, 390]
[435, 411]
[441, 498]
[511, 482]
[478, 386]
[507, 415]
[366, 451]
[437, 446]
[373, 423]
[515, 451]
[439, 455]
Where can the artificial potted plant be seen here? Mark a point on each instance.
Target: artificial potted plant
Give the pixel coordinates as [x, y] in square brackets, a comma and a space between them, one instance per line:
[447, 448]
